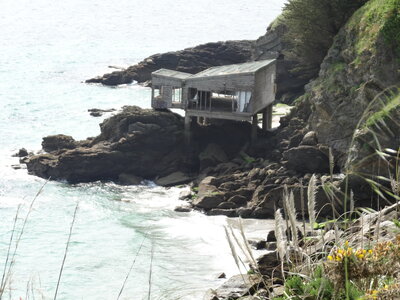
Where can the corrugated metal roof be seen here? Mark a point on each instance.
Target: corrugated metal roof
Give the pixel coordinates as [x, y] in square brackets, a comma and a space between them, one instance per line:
[172, 73]
[250, 67]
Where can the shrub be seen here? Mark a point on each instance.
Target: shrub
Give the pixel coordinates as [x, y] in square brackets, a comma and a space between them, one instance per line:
[312, 25]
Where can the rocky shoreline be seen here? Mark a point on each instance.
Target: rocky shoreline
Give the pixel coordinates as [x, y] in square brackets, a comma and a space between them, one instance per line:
[229, 175]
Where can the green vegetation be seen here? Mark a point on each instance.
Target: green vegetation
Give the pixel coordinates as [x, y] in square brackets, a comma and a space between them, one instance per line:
[375, 18]
[312, 26]
[384, 112]
[391, 29]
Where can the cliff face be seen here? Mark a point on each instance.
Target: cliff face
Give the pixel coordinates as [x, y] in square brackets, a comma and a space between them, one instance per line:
[362, 62]
[272, 45]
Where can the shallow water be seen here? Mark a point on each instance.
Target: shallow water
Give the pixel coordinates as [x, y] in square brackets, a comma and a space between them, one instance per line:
[47, 49]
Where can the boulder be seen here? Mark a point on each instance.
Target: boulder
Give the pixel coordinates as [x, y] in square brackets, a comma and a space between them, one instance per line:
[211, 156]
[237, 286]
[208, 201]
[306, 159]
[96, 112]
[129, 179]
[175, 178]
[183, 209]
[310, 139]
[222, 212]
[21, 153]
[56, 142]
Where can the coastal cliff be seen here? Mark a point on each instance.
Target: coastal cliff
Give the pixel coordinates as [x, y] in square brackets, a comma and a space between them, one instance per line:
[343, 129]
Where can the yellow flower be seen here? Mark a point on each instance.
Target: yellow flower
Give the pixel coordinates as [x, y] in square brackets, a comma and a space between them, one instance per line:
[330, 257]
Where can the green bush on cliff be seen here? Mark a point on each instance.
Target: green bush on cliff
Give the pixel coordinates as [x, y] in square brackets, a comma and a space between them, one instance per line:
[391, 29]
[312, 25]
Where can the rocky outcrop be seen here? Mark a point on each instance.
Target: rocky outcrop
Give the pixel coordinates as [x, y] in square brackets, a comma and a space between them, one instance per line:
[190, 60]
[137, 144]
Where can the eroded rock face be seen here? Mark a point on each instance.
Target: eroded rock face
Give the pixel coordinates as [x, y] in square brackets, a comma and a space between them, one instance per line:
[358, 66]
[190, 60]
[137, 144]
[153, 151]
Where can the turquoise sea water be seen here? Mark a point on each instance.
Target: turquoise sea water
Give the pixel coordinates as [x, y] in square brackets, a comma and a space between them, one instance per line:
[47, 48]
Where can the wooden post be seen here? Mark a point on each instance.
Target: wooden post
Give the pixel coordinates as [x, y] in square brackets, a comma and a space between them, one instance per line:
[254, 128]
[187, 129]
[267, 118]
[152, 96]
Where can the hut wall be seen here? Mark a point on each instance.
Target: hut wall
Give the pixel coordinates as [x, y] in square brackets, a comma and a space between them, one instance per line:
[264, 88]
[234, 82]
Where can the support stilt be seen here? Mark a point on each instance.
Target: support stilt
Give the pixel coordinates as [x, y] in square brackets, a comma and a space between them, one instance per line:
[267, 118]
[254, 127]
[187, 130]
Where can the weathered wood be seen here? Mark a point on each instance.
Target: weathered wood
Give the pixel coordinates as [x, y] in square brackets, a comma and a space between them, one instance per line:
[257, 78]
[219, 115]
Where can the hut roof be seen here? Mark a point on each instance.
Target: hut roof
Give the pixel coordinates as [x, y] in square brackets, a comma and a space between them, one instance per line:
[171, 73]
[244, 68]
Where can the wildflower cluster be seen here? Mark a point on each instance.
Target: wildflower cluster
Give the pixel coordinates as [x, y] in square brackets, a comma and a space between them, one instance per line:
[380, 262]
[386, 292]
[340, 254]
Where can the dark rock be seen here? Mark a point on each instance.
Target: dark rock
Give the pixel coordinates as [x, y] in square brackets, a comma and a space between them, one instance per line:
[185, 195]
[306, 159]
[238, 200]
[244, 212]
[190, 60]
[115, 150]
[271, 236]
[237, 286]
[57, 142]
[18, 167]
[222, 212]
[21, 153]
[182, 209]
[227, 205]
[221, 276]
[211, 156]
[271, 246]
[175, 178]
[310, 139]
[208, 201]
[129, 179]
[96, 112]
[295, 140]
[258, 244]
[263, 213]
[269, 265]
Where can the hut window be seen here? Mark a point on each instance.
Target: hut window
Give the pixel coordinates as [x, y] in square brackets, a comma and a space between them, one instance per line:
[177, 95]
[157, 92]
[243, 98]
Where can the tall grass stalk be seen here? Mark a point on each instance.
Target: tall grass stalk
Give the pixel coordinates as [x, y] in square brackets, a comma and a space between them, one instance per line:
[311, 192]
[7, 270]
[9, 251]
[66, 250]
[131, 267]
[280, 238]
[150, 271]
